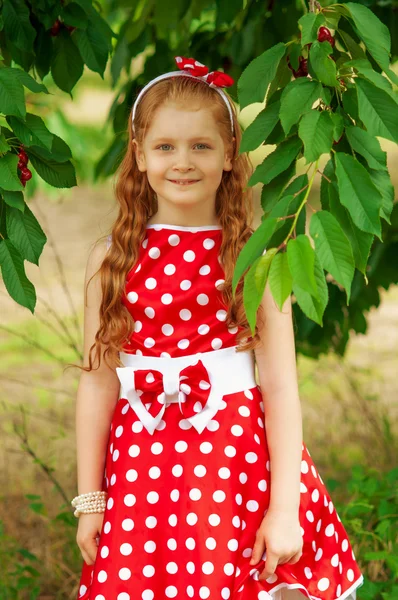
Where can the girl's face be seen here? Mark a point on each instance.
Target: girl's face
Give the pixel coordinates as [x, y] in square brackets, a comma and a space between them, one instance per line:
[183, 145]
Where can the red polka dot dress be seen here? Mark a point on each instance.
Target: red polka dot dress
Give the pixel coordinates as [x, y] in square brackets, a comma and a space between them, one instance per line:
[183, 507]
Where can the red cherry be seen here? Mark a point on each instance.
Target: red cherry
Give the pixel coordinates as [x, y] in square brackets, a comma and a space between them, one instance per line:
[21, 164]
[55, 28]
[23, 156]
[26, 174]
[324, 34]
[303, 65]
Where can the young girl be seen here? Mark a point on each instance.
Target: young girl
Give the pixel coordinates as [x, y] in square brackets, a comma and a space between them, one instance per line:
[193, 481]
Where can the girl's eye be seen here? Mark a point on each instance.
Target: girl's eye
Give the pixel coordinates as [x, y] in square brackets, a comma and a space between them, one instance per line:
[198, 144]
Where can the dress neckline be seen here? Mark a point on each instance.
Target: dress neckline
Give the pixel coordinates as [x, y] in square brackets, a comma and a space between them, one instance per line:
[183, 227]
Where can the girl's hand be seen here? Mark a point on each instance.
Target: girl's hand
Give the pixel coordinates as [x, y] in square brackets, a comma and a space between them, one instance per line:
[280, 534]
[88, 531]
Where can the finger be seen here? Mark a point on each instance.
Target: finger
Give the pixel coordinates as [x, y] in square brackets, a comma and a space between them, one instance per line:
[258, 550]
[90, 549]
[86, 557]
[269, 567]
[295, 558]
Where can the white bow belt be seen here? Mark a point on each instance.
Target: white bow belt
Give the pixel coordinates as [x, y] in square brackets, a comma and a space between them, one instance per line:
[197, 382]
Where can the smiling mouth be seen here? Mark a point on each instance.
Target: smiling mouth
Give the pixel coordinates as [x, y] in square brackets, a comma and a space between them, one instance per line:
[184, 181]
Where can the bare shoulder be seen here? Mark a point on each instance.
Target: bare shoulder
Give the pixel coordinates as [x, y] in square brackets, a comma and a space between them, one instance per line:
[275, 355]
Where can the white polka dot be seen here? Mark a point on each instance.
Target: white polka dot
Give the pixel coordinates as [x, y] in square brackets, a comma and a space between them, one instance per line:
[216, 343]
[344, 545]
[150, 283]
[304, 466]
[214, 520]
[174, 239]
[307, 572]
[323, 584]
[149, 311]
[205, 270]
[132, 297]
[208, 243]
[126, 549]
[102, 576]
[219, 496]
[350, 575]
[252, 505]
[124, 573]
[185, 284]
[167, 329]
[170, 269]
[128, 524]
[202, 299]
[185, 314]
[315, 496]
[154, 252]
[329, 531]
[203, 329]
[318, 554]
[107, 527]
[166, 298]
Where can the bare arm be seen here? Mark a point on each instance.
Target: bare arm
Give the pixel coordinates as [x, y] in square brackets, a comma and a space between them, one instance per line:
[97, 393]
[276, 364]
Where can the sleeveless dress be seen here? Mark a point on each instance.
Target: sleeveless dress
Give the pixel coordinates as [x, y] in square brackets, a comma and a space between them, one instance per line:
[183, 508]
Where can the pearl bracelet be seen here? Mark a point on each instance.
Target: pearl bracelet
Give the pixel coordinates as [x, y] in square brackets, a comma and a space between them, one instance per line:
[92, 502]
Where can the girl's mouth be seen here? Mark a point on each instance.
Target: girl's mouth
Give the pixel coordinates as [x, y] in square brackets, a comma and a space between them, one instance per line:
[184, 182]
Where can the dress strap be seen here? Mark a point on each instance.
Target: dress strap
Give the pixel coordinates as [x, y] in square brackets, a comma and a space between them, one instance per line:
[108, 241]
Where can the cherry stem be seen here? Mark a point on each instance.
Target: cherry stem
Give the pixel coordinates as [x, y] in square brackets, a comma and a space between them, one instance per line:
[323, 175]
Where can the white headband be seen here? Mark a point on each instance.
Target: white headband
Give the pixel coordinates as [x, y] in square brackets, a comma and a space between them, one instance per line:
[187, 74]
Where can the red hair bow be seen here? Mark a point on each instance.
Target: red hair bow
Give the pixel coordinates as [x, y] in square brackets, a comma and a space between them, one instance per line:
[196, 68]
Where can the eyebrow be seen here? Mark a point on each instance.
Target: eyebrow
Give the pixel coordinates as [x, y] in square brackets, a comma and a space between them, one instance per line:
[199, 137]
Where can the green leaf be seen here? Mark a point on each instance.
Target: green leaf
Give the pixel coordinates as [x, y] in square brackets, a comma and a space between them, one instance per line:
[353, 48]
[253, 248]
[364, 68]
[373, 32]
[17, 284]
[17, 26]
[25, 233]
[67, 64]
[368, 146]
[329, 175]
[282, 77]
[12, 98]
[382, 181]
[273, 190]
[8, 173]
[358, 193]
[338, 125]
[311, 306]
[296, 99]
[29, 82]
[255, 79]
[258, 131]
[280, 279]
[377, 110]
[254, 285]
[14, 199]
[93, 48]
[360, 241]
[301, 257]
[309, 25]
[316, 130]
[323, 66]
[333, 248]
[31, 131]
[74, 15]
[276, 162]
[294, 53]
[59, 175]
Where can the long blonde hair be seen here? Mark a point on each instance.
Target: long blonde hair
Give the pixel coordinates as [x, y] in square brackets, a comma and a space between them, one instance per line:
[137, 204]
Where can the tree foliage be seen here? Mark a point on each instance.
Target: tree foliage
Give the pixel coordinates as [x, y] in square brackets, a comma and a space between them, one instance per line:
[323, 96]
